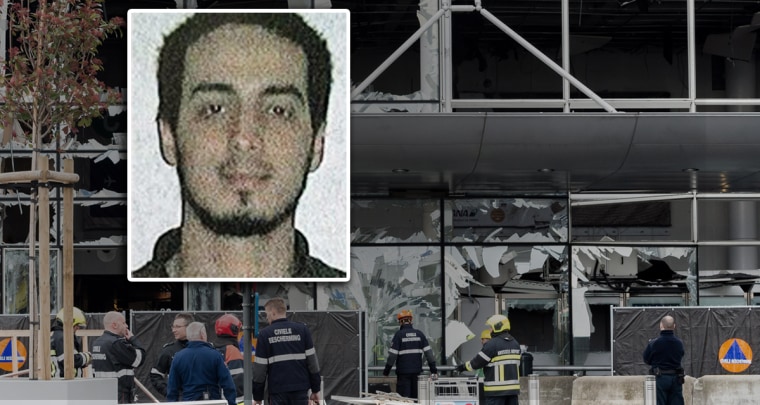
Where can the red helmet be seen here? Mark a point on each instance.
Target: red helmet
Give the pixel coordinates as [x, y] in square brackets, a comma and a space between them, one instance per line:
[228, 325]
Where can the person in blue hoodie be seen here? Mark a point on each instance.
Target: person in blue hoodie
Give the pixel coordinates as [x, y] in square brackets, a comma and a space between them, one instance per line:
[198, 371]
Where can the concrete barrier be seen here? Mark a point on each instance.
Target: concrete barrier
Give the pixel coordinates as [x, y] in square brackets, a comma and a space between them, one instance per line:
[619, 390]
[553, 390]
[85, 391]
[612, 390]
[726, 389]
[629, 390]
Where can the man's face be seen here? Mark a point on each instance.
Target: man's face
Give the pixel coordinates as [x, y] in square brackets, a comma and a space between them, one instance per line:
[179, 329]
[120, 326]
[244, 142]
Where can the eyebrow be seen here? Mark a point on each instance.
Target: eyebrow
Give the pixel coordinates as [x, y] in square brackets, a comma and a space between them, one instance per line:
[268, 91]
[212, 87]
[284, 90]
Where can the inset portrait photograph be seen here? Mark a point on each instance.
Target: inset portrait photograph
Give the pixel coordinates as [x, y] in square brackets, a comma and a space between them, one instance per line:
[238, 145]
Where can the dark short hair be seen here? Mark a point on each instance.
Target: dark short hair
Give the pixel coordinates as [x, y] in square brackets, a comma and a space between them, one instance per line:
[171, 60]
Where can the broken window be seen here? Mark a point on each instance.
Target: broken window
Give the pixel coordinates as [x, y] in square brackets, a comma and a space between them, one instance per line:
[385, 280]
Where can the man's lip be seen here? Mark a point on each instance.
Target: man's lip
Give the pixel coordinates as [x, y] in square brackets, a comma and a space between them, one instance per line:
[246, 180]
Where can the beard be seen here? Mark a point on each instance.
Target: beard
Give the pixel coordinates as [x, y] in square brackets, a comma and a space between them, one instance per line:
[242, 224]
[246, 223]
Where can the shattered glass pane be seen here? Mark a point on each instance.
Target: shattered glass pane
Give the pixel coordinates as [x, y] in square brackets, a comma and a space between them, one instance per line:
[395, 221]
[726, 273]
[16, 280]
[202, 296]
[636, 268]
[385, 280]
[531, 220]
[298, 296]
[492, 267]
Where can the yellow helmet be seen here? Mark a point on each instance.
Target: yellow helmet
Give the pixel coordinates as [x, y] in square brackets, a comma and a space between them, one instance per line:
[486, 334]
[498, 323]
[79, 318]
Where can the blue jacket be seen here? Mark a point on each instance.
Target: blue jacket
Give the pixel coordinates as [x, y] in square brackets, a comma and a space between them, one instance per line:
[285, 355]
[407, 348]
[196, 370]
[664, 352]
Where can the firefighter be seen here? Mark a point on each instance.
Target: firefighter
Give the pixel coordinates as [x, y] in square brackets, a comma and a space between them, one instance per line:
[116, 354]
[227, 328]
[501, 358]
[406, 351]
[81, 359]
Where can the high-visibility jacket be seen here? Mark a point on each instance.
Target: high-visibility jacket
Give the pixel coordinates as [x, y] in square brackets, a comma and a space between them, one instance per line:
[500, 358]
[233, 358]
[57, 348]
[114, 356]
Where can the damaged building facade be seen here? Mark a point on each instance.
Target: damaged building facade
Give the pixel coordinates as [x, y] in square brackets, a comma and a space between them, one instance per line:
[550, 161]
[545, 160]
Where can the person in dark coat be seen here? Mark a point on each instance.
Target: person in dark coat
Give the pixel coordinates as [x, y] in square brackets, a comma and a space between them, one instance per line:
[286, 362]
[160, 372]
[406, 352]
[664, 354]
[116, 354]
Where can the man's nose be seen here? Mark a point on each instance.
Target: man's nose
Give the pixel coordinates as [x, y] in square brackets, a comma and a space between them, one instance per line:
[248, 131]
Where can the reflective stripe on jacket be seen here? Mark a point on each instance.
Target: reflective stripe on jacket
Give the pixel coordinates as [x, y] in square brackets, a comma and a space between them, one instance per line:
[406, 351]
[285, 356]
[115, 356]
[500, 357]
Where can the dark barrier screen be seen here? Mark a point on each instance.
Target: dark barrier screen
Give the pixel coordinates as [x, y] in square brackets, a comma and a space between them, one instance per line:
[718, 341]
[336, 337]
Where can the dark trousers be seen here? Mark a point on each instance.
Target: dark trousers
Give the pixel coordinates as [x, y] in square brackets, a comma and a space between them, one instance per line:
[669, 390]
[289, 398]
[504, 400]
[406, 385]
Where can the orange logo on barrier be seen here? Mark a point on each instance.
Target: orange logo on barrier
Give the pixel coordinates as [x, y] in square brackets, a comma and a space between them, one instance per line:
[6, 354]
[735, 355]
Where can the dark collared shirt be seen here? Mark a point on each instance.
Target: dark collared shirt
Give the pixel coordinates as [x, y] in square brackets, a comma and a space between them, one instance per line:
[664, 352]
[168, 247]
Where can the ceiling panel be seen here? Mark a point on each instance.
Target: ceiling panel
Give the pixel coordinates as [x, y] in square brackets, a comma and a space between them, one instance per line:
[504, 152]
